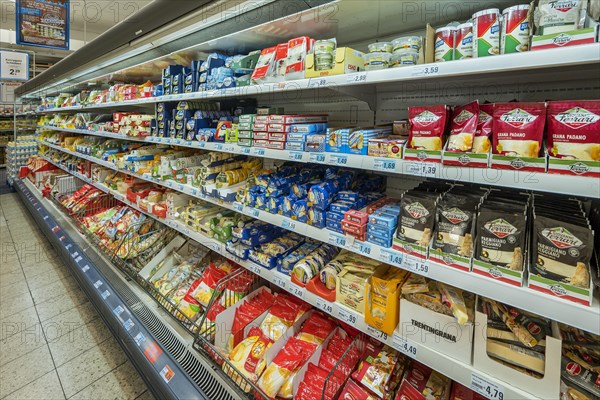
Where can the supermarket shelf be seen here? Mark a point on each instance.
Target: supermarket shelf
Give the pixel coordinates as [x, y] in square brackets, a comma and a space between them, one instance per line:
[553, 183]
[586, 318]
[115, 302]
[541, 65]
[448, 366]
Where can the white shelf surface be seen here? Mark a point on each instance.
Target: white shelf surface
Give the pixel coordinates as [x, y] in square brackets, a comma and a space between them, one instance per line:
[553, 183]
[586, 318]
[529, 65]
[448, 366]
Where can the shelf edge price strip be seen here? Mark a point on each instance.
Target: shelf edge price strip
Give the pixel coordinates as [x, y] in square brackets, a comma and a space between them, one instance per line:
[486, 388]
[404, 346]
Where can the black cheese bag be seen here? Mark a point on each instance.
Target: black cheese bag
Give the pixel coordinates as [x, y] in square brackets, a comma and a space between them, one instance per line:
[417, 217]
[500, 238]
[453, 231]
[562, 251]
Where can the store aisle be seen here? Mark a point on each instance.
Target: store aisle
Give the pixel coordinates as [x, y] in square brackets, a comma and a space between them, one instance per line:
[53, 344]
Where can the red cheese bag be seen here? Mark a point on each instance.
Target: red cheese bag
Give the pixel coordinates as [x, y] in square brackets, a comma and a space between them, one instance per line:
[574, 129]
[518, 129]
[463, 127]
[427, 127]
[481, 141]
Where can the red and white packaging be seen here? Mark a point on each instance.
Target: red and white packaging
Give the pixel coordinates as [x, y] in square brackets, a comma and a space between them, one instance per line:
[288, 119]
[460, 392]
[574, 130]
[264, 64]
[354, 391]
[261, 143]
[482, 141]
[354, 228]
[276, 145]
[355, 216]
[296, 56]
[277, 73]
[463, 127]
[518, 129]
[427, 127]
[421, 380]
[260, 135]
[278, 136]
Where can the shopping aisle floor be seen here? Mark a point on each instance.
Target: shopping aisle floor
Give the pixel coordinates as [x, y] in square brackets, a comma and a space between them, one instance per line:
[53, 344]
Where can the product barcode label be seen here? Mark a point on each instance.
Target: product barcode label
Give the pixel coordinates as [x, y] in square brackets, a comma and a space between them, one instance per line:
[105, 294]
[229, 148]
[97, 284]
[384, 164]
[425, 169]
[416, 265]
[295, 156]
[404, 345]
[486, 388]
[118, 310]
[376, 333]
[289, 225]
[324, 305]
[346, 316]
[296, 290]
[317, 157]
[358, 77]
[139, 339]
[338, 159]
[85, 268]
[128, 325]
[280, 282]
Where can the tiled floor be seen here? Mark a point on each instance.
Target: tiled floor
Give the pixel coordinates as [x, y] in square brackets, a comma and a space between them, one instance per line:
[53, 344]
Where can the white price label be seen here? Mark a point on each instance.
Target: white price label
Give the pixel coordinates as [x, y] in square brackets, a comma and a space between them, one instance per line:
[45, 218]
[180, 187]
[68, 246]
[416, 265]
[425, 169]
[358, 77]
[295, 156]
[118, 311]
[404, 345]
[75, 255]
[347, 316]
[324, 305]
[384, 164]
[338, 159]
[239, 207]
[170, 184]
[128, 325]
[105, 294]
[177, 141]
[194, 192]
[78, 259]
[97, 284]
[229, 148]
[202, 144]
[259, 152]
[317, 82]
[139, 339]
[257, 269]
[486, 388]
[390, 257]
[246, 150]
[289, 225]
[337, 240]
[280, 282]
[363, 248]
[296, 290]
[85, 268]
[254, 213]
[427, 70]
[377, 334]
[218, 147]
[317, 158]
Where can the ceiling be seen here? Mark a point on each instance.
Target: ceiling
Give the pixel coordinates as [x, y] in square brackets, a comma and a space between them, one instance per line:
[89, 19]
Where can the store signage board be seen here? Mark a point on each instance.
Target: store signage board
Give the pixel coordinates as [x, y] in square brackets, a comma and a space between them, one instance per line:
[43, 23]
[14, 65]
[7, 91]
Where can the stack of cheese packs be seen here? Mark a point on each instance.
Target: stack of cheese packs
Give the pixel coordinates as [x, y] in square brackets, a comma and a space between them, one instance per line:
[440, 298]
[580, 369]
[516, 338]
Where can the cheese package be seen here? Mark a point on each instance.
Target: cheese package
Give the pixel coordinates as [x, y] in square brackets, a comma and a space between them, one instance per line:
[460, 392]
[383, 298]
[517, 355]
[574, 130]
[350, 286]
[290, 358]
[518, 129]
[353, 390]
[280, 317]
[376, 370]
[417, 217]
[248, 357]
[482, 140]
[556, 16]
[427, 127]
[422, 383]
[500, 236]
[463, 127]
[453, 232]
[453, 298]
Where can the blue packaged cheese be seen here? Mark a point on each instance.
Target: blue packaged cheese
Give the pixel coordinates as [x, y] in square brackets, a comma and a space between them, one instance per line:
[294, 146]
[286, 264]
[383, 242]
[337, 140]
[287, 204]
[341, 206]
[391, 208]
[300, 211]
[274, 204]
[335, 226]
[317, 217]
[309, 128]
[380, 231]
[383, 219]
[348, 195]
[335, 216]
[322, 194]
